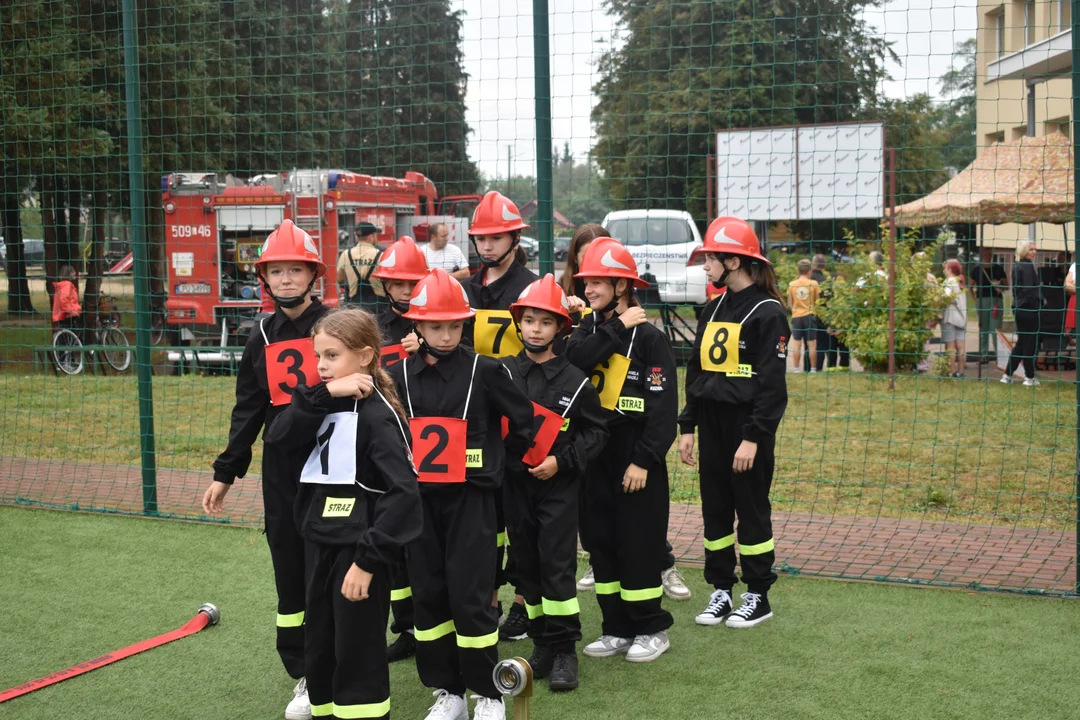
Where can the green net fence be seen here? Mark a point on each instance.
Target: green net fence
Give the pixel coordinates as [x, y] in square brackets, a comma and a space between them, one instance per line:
[151, 148]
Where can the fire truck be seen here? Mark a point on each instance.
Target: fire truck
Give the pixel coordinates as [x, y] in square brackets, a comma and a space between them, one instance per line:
[215, 226]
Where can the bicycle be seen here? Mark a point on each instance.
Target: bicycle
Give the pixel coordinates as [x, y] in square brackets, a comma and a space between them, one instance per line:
[70, 359]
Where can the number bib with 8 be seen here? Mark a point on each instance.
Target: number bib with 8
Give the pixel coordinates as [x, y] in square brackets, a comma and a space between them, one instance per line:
[720, 344]
[494, 334]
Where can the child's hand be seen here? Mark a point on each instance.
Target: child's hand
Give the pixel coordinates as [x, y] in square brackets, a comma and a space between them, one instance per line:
[744, 456]
[634, 478]
[357, 385]
[213, 501]
[411, 343]
[686, 449]
[545, 470]
[575, 304]
[633, 317]
[357, 582]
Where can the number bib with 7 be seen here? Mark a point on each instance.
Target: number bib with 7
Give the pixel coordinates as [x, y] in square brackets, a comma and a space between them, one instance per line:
[546, 428]
[494, 334]
[289, 363]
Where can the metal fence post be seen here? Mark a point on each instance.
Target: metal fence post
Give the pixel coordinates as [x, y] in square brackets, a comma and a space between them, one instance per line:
[1076, 244]
[133, 110]
[545, 234]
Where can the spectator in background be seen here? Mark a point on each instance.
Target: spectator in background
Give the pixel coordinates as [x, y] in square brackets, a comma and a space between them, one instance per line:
[66, 310]
[839, 355]
[1027, 303]
[579, 243]
[802, 296]
[819, 332]
[1070, 308]
[878, 260]
[354, 267]
[439, 253]
[988, 279]
[954, 319]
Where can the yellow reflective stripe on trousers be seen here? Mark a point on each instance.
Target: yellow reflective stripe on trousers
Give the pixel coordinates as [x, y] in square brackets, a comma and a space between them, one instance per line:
[608, 588]
[759, 549]
[436, 632]
[292, 620]
[534, 611]
[724, 542]
[500, 540]
[478, 642]
[640, 595]
[400, 594]
[370, 710]
[561, 607]
[324, 710]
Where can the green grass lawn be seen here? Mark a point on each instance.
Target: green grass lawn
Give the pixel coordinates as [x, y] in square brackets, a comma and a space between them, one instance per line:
[932, 448]
[76, 586]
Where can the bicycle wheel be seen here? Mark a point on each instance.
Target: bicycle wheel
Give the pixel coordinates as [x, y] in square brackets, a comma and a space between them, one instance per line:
[157, 328]
[69, 354]
[119, 359]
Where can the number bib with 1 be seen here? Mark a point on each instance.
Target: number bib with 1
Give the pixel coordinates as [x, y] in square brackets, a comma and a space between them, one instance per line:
[610, 375]
[440, 443]
[333, 460]
[289, 363]
[495, 335]
[720, 345]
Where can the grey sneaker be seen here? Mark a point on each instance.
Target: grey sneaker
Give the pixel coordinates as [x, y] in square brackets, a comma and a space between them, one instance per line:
[587, 583]
[674, 586]
[647, 648]
[608, 646]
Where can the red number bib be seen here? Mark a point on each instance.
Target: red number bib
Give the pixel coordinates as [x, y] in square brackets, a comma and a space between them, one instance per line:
[392, 354]
[546, 428]
[439, 448]
[288, 364]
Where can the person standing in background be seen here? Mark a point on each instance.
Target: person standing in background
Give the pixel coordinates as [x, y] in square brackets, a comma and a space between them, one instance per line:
[819, 332]
[440, 254]
[355, 265]
[1027, 303]
[988, 279]
[802, 296]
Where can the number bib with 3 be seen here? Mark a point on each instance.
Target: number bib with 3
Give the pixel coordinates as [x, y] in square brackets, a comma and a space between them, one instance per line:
[439, 448]
[494, 334]
[333, 460]
[720, 347]
[289, 363]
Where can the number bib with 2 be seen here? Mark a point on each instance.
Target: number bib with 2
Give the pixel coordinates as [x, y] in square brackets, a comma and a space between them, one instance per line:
[439, 449]
[720, 348]
[494, 334]
[333, 460]
[289, 363]
[609, 377]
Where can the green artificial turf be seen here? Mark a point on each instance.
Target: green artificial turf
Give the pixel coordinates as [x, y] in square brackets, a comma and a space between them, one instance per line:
[75, 586]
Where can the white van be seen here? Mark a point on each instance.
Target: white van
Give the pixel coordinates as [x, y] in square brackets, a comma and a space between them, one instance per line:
[661, 242]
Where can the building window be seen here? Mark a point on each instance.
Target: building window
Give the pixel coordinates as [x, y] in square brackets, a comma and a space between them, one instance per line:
[1029, 22]
[994, 137]
[1064, 15]
[997, 21]
[1061, 125]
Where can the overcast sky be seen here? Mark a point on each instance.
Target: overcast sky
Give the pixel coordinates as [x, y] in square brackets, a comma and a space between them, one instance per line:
[499, 60]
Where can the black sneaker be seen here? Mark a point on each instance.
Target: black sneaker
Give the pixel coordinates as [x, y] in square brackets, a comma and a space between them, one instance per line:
[541, 661]
[564, 672]
[718, 609]
[402, 648]
[754, 611]
[516, 624]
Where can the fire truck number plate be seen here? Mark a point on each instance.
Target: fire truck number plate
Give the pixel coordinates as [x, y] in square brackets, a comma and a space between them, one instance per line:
[193, 289]
[186, 231]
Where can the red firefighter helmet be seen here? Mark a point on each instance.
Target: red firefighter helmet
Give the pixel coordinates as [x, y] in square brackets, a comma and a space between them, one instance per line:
[496, 214]
[289, 242]
[438, 298]
[402, 261]
[730, 236]
[543, 294]
[606, 257]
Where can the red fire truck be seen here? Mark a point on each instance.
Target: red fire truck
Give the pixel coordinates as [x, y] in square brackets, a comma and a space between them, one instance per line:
[215, 227]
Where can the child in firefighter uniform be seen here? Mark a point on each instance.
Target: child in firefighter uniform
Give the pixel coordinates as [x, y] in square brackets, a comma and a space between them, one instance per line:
[736, 394]
[496, 234]
[626, 489]
[542, 499]
[399, 269]
[456, 400]
[357, 506]
[279, 357]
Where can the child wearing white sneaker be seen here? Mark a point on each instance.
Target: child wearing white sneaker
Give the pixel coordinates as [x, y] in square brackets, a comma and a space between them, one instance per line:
[736, 394]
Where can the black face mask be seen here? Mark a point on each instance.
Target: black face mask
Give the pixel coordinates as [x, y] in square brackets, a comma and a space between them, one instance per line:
[498, 261]
[400, 307]
[610, 307]
[433, 352]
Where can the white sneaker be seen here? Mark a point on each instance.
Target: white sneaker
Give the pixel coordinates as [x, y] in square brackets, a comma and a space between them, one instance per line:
[488, 708]
[1031, 382]
[647, 648]
[608, 646]
[587, 583]
[299, 708]
[718, 609]
[448, 707]
[674, 586]
[1005, 379]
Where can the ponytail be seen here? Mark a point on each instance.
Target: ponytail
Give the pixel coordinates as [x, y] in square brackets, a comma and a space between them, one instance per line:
[764, 279]
[385, 385]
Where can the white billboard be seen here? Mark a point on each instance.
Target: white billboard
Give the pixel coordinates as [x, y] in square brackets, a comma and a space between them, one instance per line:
[809, 172]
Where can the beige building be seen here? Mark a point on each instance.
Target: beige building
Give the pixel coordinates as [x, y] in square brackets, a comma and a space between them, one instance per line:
[1024, 87]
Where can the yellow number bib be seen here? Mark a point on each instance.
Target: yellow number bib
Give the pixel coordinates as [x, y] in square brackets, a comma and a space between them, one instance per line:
[720, 347]
[608, 377]
[494, 334]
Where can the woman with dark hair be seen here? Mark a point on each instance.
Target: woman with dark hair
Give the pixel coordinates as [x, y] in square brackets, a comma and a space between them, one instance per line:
[579, 243]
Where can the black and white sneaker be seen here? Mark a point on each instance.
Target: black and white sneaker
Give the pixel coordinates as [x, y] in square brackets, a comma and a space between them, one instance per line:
[718, 609]
[516, 624]
[754, 611]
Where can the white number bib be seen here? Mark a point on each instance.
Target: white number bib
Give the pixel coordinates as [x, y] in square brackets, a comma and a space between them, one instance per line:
[333, 461]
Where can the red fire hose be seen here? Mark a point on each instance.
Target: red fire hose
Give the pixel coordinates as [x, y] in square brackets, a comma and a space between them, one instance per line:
[207, 615]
